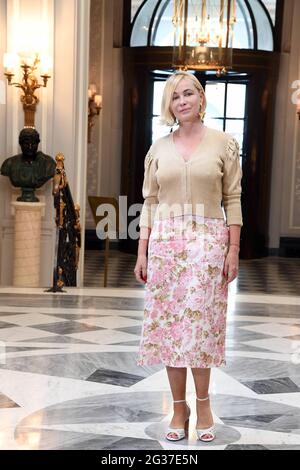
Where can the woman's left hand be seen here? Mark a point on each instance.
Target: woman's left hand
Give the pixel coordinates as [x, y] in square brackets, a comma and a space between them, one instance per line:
[231, 265]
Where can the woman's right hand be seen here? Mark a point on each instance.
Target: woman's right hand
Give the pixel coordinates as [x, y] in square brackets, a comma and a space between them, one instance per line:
[140, 269]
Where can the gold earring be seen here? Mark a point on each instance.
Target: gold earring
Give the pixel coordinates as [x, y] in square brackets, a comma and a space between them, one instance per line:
[201, 114]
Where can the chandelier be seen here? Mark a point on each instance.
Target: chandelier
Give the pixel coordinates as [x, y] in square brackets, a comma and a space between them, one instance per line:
[203, 34]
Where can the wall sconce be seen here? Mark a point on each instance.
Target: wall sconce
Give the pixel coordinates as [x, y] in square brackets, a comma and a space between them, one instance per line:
[29, 83]
[95, 105]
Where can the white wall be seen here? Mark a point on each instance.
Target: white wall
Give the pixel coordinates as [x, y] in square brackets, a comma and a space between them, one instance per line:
[112, 113]
[3, 152]
[61, 117]
[105, 150]
[285, 186]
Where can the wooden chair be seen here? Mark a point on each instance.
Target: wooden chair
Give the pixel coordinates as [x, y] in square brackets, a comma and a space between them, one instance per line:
[95, 202]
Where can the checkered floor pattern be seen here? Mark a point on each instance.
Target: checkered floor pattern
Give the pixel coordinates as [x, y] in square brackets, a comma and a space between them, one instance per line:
[271, 275]
[69, 377]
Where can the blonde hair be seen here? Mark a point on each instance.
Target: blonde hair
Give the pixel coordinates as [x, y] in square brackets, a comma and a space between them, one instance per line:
[167, 117]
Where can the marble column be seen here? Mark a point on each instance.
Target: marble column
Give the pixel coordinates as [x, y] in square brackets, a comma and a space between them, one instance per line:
[27, 248]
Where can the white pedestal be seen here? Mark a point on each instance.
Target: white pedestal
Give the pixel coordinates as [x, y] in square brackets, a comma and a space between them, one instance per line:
[27, 249]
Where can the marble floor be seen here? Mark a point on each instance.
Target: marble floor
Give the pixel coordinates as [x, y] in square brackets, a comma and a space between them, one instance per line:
[269, 275]
[69, 379]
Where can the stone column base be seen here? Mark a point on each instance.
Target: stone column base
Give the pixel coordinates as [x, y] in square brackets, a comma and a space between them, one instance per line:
[27, 249]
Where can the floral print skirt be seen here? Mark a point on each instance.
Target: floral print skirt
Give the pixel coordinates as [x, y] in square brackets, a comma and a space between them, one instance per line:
[185, 293]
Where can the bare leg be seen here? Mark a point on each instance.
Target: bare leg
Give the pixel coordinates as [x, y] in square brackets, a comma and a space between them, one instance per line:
[177, 379]
[204, 415]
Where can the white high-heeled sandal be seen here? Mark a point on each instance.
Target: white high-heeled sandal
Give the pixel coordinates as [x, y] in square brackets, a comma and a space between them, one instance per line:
[179, 433]
[207, 434]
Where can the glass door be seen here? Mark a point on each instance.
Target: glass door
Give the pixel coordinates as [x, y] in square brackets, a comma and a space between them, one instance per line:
[226, 109]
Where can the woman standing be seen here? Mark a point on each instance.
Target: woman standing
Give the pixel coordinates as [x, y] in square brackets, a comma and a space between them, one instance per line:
[193, 253]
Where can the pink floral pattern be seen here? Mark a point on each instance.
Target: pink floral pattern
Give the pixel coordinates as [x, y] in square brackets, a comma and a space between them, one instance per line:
[186, 293]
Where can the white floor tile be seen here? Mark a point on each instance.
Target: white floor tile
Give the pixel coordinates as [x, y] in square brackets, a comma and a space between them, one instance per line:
[110, 322]
[104, 336]
[273, 329]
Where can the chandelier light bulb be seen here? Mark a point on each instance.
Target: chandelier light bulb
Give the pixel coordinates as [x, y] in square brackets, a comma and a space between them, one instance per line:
[199, 25]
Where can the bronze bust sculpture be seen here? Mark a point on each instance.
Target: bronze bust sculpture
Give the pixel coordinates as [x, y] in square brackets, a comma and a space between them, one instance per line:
[30, 169]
